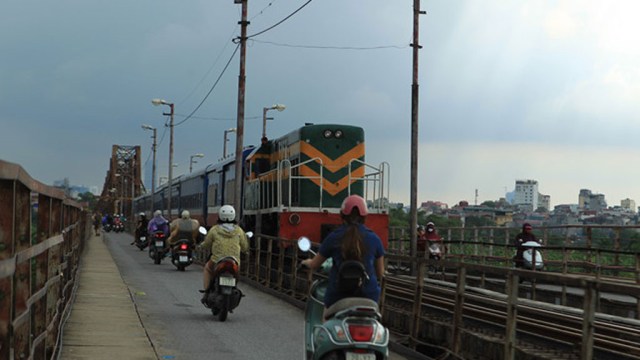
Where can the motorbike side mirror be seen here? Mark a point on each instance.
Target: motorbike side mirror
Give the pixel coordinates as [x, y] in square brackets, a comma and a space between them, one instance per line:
[249, 234]
[202, 230]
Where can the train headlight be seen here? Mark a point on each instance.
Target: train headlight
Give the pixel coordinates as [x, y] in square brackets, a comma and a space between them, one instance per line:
[338, 134]
[327, 133]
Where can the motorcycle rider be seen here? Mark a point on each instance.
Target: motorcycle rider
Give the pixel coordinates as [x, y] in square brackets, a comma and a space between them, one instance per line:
[158, 223]
[521, 238]
[351, 241]
[433, 237]
[185, 228]
[141, 226]
[224, 239]
[422, 239]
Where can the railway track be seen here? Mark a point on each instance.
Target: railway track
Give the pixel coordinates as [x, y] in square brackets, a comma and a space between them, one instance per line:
[538, 324]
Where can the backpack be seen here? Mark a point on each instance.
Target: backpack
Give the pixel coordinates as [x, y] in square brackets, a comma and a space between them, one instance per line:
[352, 276]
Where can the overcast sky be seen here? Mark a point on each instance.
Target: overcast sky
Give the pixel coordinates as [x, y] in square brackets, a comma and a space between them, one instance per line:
[509, 90]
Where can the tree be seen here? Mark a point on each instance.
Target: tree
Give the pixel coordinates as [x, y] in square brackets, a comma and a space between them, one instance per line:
[89, 198]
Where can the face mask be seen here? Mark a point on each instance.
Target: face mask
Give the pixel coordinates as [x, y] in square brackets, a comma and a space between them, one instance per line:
[430, 230]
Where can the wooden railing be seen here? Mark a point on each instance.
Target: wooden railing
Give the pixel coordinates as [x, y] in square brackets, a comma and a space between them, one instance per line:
[435, 309]
[42, 233]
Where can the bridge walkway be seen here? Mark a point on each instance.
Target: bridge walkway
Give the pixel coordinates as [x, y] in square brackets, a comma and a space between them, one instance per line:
[104, 322]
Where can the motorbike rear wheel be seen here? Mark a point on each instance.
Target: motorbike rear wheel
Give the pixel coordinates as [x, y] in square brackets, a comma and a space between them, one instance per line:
[222, 316]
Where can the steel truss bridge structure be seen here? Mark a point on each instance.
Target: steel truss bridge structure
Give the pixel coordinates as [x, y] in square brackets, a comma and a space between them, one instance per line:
[123, 182]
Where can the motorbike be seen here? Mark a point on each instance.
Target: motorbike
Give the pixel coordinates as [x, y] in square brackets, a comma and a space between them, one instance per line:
[435, 253]
[532, 257]
[222, 295]
[156, 247]
[350, 329]
[107, 227]
[182, 254]
[118, 226]
[141, 240]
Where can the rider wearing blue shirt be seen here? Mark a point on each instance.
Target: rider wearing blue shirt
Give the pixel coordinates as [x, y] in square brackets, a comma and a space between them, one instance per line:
[352, 241]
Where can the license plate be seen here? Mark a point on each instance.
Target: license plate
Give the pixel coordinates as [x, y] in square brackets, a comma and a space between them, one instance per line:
[183, 258]
[356, 356]
[159, 243]
[143, 238]
[227, 281]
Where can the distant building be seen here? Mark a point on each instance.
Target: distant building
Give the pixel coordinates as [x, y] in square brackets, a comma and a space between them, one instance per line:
[526, 194]
[590, 201]
[628, 204]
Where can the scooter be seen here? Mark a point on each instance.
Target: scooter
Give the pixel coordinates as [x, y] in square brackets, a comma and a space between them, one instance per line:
[435, 253]
[156, 247]
[141, 240]
[351, 327]
[182, 254]
[222, 295]
[532, 257]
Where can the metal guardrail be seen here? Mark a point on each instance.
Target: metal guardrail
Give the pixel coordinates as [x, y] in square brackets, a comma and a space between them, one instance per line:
[42, 233]
[407, 302]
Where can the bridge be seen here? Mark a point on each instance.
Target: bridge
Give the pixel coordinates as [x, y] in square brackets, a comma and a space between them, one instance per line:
[54, 272]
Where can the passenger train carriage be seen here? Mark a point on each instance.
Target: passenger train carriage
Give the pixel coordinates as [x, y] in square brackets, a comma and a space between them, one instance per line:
[292, 186]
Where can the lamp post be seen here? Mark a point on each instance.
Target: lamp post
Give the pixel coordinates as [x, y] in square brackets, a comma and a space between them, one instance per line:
[158, 102]
[278, 107]
[191, 161]
[153, 148]
[224, 150]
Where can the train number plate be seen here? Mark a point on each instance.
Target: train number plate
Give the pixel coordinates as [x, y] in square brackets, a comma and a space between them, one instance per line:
[356, 356]
[227, 281]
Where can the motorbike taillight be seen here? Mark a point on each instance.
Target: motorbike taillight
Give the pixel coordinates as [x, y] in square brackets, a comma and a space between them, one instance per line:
[361, 332]
[230, 266]
[183, 247]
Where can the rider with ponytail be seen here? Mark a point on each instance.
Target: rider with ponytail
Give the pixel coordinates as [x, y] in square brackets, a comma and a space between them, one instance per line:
[352, 241]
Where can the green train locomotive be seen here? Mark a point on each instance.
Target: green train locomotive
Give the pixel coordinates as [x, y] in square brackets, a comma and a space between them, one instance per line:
[295, 184]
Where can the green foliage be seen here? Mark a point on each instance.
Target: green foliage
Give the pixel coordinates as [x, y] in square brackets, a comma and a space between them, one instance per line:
[477, 221]
[89, 198]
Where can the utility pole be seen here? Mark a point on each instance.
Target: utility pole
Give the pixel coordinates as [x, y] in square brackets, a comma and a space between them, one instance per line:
[240, 123]
[414, 130]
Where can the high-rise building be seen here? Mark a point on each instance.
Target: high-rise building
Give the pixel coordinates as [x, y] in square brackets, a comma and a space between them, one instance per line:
[526, 193]
[590, 201]
[628, 204]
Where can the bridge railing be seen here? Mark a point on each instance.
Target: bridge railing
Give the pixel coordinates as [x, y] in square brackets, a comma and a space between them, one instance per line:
[595, 250]
[42, 233]
[418, 307]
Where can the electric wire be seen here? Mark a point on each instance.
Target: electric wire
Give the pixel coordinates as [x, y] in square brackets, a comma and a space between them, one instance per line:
[212, 87]
[333, 47]
[215, 62]
[278, 23]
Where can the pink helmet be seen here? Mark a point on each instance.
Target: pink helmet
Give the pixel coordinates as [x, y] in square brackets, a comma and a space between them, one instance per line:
[354, 201]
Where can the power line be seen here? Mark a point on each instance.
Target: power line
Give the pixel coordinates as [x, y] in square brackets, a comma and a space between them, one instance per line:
[279, 22]
[211, 68]
[212, 87]
[334, 47]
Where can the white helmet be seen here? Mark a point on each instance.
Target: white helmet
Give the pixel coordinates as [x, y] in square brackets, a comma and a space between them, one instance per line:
[185, 214]
[227, 213]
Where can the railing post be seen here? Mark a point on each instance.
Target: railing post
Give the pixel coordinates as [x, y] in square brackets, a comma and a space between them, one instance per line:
[269, 255]
[586, 352]
[512, 316]
[416, 313]
[459, 307]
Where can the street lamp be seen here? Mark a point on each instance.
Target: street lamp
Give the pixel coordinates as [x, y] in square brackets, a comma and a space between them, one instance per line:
[191, 161]
[158, 102]
[224, 151]
[278, 107]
